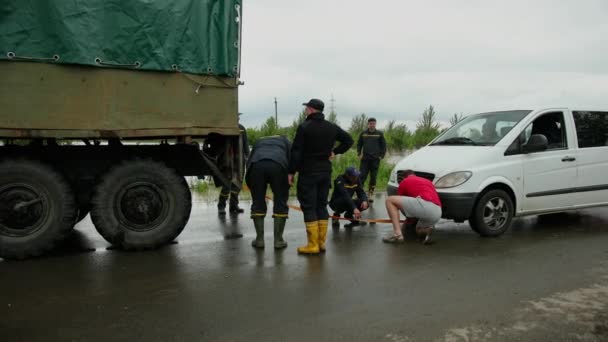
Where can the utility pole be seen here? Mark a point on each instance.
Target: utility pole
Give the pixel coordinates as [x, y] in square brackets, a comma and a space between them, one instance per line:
[276, 113]
[332, 108]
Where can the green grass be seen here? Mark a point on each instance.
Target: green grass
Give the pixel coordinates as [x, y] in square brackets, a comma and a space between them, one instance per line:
[201, 186]
[340, 163]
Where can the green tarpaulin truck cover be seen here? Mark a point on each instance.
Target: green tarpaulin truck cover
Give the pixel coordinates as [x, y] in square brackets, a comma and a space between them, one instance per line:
[192, 36]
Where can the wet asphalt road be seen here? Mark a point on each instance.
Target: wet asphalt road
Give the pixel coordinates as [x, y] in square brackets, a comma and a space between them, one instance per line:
[546, 279]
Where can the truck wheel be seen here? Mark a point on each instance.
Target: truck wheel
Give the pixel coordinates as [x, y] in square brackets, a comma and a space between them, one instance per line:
[141, 204]
[492, 214]
[37, 208]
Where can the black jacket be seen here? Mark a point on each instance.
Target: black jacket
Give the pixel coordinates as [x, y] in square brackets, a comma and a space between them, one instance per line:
[275, 148]
[314, 143]
[344, 190]
[372, 144]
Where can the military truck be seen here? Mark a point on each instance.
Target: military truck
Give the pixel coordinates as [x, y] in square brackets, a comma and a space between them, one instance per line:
[105, 107]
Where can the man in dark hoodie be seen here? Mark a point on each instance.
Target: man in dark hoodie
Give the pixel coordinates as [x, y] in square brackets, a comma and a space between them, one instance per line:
[345, 187]
[267, 165]
[233, 191]
[311, 154]
[371, 148]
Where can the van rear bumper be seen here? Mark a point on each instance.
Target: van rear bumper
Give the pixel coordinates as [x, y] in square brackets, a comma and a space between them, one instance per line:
[454, 206]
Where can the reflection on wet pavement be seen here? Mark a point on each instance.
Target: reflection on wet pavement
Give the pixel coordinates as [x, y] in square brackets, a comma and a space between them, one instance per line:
[211, 285]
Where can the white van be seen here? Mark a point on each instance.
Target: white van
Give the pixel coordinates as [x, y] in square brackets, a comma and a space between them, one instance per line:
[491, 167]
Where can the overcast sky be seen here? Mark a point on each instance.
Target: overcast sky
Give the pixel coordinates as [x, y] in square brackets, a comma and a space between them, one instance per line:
[392, 58]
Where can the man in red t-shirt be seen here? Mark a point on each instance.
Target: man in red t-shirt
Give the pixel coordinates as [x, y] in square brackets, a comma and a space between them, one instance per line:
[417, 199]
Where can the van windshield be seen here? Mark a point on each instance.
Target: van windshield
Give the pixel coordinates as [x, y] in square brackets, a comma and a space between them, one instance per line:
[485, 129]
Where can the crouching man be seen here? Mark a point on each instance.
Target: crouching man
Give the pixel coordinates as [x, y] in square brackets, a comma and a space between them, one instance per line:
[267, 165]
[345, 186]
[417, 199]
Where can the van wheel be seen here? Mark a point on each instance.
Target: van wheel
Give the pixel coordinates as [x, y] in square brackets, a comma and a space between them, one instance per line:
[141, 204]
[37, 208]
[492, 214]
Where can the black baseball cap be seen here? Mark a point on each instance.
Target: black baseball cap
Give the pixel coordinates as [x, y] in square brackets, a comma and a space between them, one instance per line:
[352, 171]
[315, 103]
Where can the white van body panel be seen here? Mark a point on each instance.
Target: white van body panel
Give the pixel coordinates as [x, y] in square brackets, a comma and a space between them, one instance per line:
[542, 182]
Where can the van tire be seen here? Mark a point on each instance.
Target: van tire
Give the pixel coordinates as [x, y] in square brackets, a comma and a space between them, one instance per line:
[47, 210]
[492, 214]
[141, 204]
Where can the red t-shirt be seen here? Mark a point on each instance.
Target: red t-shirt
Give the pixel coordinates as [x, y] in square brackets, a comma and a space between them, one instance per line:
[414, 186]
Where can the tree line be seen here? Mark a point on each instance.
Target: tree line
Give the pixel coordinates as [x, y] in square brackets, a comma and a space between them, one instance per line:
[398, 136]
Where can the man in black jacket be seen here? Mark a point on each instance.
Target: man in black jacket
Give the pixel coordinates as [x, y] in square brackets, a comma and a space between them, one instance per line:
[345, 186]
[267, 165]
[371, 148]
[311, 154]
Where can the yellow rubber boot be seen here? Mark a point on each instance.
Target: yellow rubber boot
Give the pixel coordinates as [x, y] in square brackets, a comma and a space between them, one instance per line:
[312, 233]
[322, 234]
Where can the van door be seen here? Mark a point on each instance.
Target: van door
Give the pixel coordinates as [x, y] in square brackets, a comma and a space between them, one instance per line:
[550, 175]
[592, 140]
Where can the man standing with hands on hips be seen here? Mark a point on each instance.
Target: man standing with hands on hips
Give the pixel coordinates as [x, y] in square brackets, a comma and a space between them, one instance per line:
[371, 148]
[311, 153]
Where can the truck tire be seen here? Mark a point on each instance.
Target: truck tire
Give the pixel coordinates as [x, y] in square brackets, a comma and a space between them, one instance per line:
[492, 214]
[37, 208]
[141, 204]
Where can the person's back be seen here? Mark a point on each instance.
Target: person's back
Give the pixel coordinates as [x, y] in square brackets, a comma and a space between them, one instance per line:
[414, 186]
[319, 136]
[311, 154]
[275, 148]
[267, 165]
[417, 199]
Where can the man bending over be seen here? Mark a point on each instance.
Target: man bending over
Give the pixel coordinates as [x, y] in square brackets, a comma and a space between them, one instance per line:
[417, 199]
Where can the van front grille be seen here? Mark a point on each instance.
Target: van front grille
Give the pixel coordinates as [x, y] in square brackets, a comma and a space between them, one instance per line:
[429, 176]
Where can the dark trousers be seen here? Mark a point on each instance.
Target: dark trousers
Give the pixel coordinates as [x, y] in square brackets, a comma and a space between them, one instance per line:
[229, 192]
[259, 176]
[340, 206]
[313, 190]
[370, 166]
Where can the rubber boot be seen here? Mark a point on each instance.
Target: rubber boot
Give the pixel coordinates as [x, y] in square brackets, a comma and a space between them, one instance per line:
[258, 223]
[322, 234]
[221, 204]
[370, 194]
[312, 233]
[221, 207]
[279, 227]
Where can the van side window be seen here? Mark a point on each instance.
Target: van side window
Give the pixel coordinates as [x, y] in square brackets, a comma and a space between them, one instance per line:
[591, 128]
[551, 125]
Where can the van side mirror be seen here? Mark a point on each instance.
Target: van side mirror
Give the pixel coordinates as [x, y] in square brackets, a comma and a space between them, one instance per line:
[536, 143]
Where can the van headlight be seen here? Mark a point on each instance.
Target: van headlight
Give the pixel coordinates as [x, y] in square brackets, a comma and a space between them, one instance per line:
[393, 177]
[453, 179]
